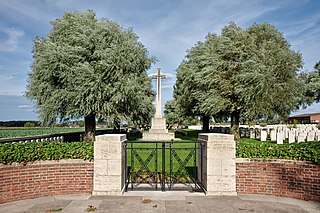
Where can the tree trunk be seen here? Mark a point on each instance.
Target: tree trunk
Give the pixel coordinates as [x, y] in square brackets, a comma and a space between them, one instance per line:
[235, 121]
[90, 127]
[205, 123]
[116, 126]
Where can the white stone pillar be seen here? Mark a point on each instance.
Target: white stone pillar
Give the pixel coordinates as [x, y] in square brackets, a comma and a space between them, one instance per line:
[109, 164]
[218, 164]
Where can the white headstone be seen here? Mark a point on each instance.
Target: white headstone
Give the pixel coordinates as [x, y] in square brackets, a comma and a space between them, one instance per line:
[263, 135]
[273, 134]
[301, 137]
[310, 136]
[280, 137]
[252, 133]
[292, 136]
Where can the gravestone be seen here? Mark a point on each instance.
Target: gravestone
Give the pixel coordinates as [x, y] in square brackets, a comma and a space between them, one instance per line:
[301, 137]
[258, 133]
[263, 134]
[273, 134]
[280, 137]
[252, 132]
[292, 136]
[310, 135]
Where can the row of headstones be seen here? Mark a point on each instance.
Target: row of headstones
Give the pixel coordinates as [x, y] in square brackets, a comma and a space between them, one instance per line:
[281, 133]
[49, 139]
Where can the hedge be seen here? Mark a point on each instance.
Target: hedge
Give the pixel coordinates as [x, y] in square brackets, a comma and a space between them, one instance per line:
[308, 151]
[32, 151]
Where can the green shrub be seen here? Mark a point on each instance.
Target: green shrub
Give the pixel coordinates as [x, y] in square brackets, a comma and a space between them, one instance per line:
[309, 151]
[245, 148]
[32, 151]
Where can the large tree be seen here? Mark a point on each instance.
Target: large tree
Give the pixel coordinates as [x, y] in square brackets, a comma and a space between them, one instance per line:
[174, 115]
[90, 68]
[242, 72]
[313, 84]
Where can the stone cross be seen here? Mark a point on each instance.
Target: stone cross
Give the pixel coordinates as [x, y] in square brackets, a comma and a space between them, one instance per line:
[158, 76]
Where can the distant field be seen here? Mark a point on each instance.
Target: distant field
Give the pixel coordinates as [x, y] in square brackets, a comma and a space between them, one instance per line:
[22, 132]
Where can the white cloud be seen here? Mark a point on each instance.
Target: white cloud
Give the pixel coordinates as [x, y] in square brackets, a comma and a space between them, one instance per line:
[12, 41]
[27, 108]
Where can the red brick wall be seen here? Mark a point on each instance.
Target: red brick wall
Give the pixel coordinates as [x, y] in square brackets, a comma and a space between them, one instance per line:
[295, 179]
[45, 178]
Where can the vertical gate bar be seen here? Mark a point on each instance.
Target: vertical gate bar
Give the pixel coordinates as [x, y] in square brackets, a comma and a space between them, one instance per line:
[195, 165]
[171, 166]
[126, 165]
[132, 166]
[163, 166]
[201, 170]
[156, 166]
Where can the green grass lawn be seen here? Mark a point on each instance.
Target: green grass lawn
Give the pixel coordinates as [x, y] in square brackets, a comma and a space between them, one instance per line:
[33, 131]
[245, 148]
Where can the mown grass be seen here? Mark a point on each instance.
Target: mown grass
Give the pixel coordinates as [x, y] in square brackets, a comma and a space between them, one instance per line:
[245, 148]
[34, 131]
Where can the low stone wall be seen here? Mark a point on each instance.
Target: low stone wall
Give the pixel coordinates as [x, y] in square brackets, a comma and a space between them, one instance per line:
[45, 178]
[287, 178]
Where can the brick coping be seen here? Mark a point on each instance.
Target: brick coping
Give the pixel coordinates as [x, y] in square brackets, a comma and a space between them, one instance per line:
[47, 162]
[80, 161]
[273, 160]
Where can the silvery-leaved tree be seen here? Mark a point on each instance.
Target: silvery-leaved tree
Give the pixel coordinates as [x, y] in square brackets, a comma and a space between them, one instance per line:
[90, 68]
[313, 84]
[248, 73]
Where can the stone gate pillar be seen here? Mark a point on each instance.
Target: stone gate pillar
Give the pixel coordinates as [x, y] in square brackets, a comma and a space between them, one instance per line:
[109, 164]
[218, 175]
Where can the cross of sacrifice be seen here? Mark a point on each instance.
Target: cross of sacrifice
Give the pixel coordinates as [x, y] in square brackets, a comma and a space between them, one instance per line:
[158, 76]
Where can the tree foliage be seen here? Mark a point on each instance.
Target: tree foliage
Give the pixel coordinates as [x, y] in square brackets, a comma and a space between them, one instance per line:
[174, 115]
[90, 68]
[313, 83]
[242, 72]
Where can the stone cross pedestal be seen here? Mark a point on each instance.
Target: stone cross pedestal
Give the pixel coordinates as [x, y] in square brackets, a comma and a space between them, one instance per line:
[158, 129]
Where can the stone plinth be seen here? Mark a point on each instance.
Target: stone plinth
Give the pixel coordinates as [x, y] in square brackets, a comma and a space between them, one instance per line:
[158, 131]
[109, 164]
[218, 164]
[158, 124]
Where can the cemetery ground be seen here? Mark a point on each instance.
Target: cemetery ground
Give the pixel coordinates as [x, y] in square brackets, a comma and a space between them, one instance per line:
[245, 148]
[157, 201]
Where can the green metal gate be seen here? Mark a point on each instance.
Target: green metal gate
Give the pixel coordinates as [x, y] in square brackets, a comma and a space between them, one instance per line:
[163, 165]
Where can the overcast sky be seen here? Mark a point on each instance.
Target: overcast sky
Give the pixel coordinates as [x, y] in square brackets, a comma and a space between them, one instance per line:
[166, 28]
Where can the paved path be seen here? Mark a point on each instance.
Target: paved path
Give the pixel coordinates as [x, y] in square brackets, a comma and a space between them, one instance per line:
[174, 202]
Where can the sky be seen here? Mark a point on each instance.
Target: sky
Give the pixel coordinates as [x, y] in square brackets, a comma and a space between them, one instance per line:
[167, 28]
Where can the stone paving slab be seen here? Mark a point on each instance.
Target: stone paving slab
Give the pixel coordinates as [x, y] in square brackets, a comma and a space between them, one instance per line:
[55, 206]
[162, 202]
[310, 206]
[78, 206]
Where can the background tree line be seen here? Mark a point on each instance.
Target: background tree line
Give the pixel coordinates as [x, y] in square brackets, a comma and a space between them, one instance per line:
[94, 69]
[242, 74]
